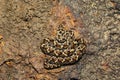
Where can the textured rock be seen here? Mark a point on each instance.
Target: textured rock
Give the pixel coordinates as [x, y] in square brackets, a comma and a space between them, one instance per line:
[25, 23]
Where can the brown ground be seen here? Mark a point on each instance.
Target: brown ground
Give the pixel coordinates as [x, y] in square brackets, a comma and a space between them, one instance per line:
[25, 23]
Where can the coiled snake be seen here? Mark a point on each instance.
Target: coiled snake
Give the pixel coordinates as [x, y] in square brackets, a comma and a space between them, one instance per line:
[64, 49]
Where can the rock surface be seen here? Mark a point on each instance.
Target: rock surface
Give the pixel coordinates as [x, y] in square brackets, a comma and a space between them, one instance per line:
[25, 23]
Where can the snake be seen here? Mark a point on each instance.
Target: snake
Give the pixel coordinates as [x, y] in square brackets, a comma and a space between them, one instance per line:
[63, 49]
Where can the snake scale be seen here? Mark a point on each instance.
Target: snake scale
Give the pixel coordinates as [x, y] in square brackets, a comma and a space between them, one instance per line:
[64, 49]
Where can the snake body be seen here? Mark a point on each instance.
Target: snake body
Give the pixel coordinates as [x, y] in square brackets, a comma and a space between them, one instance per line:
[64, 49]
